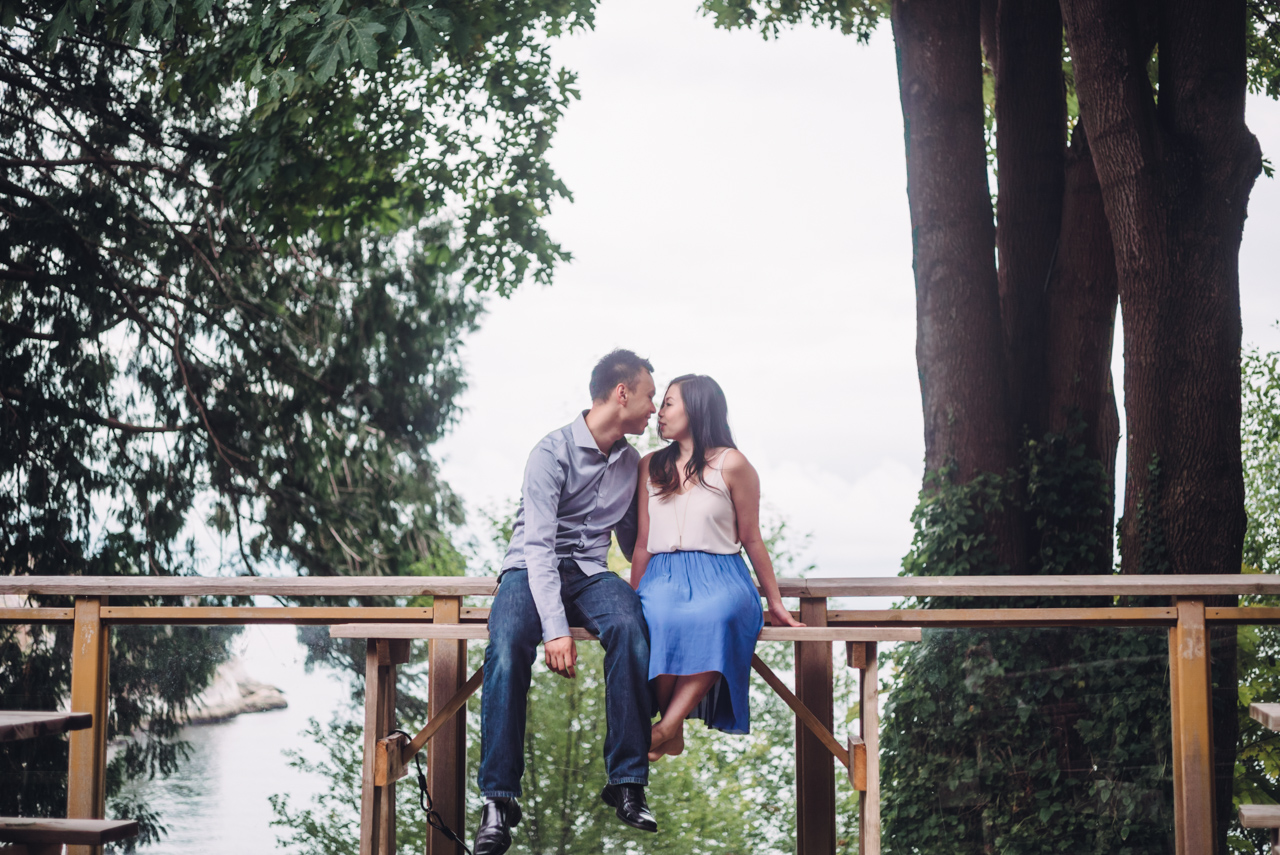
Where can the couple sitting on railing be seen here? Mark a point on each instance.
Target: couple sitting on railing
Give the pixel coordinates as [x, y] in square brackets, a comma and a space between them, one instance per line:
[680, 636]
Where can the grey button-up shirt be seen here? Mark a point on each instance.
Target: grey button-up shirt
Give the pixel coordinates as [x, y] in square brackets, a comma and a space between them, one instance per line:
[573, 497]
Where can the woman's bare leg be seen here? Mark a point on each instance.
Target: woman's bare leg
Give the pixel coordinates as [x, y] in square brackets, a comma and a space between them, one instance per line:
[668, 733]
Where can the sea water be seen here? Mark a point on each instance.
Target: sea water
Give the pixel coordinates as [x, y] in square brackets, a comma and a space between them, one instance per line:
[218, 801]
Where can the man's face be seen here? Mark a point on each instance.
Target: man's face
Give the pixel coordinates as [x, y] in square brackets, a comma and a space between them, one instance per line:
[638, 404]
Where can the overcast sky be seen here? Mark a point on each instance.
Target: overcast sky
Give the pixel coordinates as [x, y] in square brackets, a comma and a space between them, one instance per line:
[740, 210]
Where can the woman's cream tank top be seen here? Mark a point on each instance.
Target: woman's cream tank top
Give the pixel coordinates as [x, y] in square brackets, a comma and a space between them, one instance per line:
[701, 519]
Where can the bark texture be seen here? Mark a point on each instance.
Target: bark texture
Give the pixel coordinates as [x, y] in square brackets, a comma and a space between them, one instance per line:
[1175, 176]
[1080, 322]
[1031, 127]
[959, 349]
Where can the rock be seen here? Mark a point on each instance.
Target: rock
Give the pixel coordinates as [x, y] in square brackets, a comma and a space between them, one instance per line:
[231, 693]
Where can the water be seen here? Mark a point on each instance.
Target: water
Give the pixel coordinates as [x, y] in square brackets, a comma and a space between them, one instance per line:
[218, 800]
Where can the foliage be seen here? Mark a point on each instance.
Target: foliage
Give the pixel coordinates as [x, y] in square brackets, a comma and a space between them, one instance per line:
[1258, 758]
[851, 17]
[1025, 740]
[239, 243]
[1029, 741]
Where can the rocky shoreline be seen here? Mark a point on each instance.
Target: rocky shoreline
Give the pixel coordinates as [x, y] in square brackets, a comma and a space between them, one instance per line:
[233, 692]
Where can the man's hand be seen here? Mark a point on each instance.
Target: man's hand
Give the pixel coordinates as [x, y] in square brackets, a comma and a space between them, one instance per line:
[562, 656]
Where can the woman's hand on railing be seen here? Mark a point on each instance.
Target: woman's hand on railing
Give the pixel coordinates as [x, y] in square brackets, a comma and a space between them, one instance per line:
[781, 616]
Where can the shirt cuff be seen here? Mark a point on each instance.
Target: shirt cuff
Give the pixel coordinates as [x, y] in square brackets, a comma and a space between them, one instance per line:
[554, 628]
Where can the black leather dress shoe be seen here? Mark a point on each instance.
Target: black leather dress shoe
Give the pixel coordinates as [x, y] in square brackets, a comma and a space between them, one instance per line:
[629, 804]
[496, 821]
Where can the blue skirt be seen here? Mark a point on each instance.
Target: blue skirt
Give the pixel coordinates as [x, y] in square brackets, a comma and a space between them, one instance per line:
[704, 615]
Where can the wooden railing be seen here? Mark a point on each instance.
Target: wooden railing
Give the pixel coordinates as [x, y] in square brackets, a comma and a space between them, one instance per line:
[1186, 616]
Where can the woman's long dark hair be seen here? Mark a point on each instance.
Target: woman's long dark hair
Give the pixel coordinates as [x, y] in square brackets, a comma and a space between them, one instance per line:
[708, 413]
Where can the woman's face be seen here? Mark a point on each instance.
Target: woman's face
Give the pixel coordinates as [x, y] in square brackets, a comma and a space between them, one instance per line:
[673, 421]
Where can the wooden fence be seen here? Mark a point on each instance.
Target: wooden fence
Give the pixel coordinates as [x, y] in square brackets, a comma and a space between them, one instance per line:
[1186, 617]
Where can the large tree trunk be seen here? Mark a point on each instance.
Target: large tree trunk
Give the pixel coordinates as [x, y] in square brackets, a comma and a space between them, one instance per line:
[958, 334]
[1081, 312]
[1031, 128]
[1175, 183]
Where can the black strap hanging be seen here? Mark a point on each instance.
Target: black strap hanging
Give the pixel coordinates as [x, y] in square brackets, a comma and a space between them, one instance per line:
[424, 799]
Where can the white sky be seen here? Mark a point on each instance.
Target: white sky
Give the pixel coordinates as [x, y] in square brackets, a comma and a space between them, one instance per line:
[740, 210]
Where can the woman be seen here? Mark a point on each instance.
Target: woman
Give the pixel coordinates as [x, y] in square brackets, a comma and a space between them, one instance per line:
[699, 507]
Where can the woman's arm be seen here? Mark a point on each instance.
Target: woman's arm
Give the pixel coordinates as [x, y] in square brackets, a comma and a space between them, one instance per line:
[744, 490]
[640, 557]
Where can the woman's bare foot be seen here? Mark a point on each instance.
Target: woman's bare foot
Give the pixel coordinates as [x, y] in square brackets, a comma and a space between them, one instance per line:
[663, 741]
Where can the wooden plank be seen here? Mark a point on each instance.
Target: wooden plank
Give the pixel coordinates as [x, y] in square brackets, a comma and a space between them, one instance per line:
[87, 755]
[856, 654]
[249, 586]
[1179, 843]
[396, 764]
[815, 773]
[255, 615]
[447, 757]
[857, 763]
[481, 631]
[389, 760]
[1193, 737]
[15, 725]
[956, 618]
[840, 633]
[1268, 714]
[869, 728]
[804, 715]
[85, 832]
[814, 588]
[377, 804]
[1252, 615]
[37, 615]
[1260, 816]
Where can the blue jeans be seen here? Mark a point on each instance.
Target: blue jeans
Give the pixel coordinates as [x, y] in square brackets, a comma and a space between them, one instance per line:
[605, 605]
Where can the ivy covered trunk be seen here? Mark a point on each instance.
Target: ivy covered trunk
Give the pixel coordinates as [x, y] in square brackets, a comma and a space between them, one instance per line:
[1058, 740]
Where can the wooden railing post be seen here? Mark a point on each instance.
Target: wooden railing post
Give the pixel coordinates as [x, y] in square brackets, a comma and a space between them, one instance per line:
[815, 768]
[1190, 684]
[447, 750]
[867, 662]
[87, 758]
[378, 804]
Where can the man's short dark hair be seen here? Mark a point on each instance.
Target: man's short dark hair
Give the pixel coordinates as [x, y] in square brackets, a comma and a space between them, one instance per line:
[619, 366]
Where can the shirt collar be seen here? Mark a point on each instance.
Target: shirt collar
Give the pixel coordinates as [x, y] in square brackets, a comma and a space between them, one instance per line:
[583, 439]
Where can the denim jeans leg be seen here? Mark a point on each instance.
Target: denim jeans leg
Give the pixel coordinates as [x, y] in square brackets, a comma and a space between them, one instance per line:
[611, 609]
[514, 633]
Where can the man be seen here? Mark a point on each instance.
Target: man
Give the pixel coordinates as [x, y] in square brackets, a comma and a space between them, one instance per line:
[579, 485]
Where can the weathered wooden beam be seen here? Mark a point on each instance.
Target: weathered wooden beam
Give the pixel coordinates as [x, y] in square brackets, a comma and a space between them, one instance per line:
[481, 631]
[869, 728]
[804, 715]
[815, 773]
[1190, 686]
[259, 615]
[1267, 714]
[16, 724]
[813, 588]
[958, 618]
[377, 804]
[248, 586]
[37, 615]
[87, 756]
[447, 752]
[857, 763]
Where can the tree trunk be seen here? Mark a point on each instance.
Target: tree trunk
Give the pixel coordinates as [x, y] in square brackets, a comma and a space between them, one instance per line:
[1081, 312]
[1031, 127]
[1175, 183]
[958, 334]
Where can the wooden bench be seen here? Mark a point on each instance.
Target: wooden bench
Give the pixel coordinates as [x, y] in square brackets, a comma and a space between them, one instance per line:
[1263, 816]
[47, 836]
[15, 725]
[387, 755]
